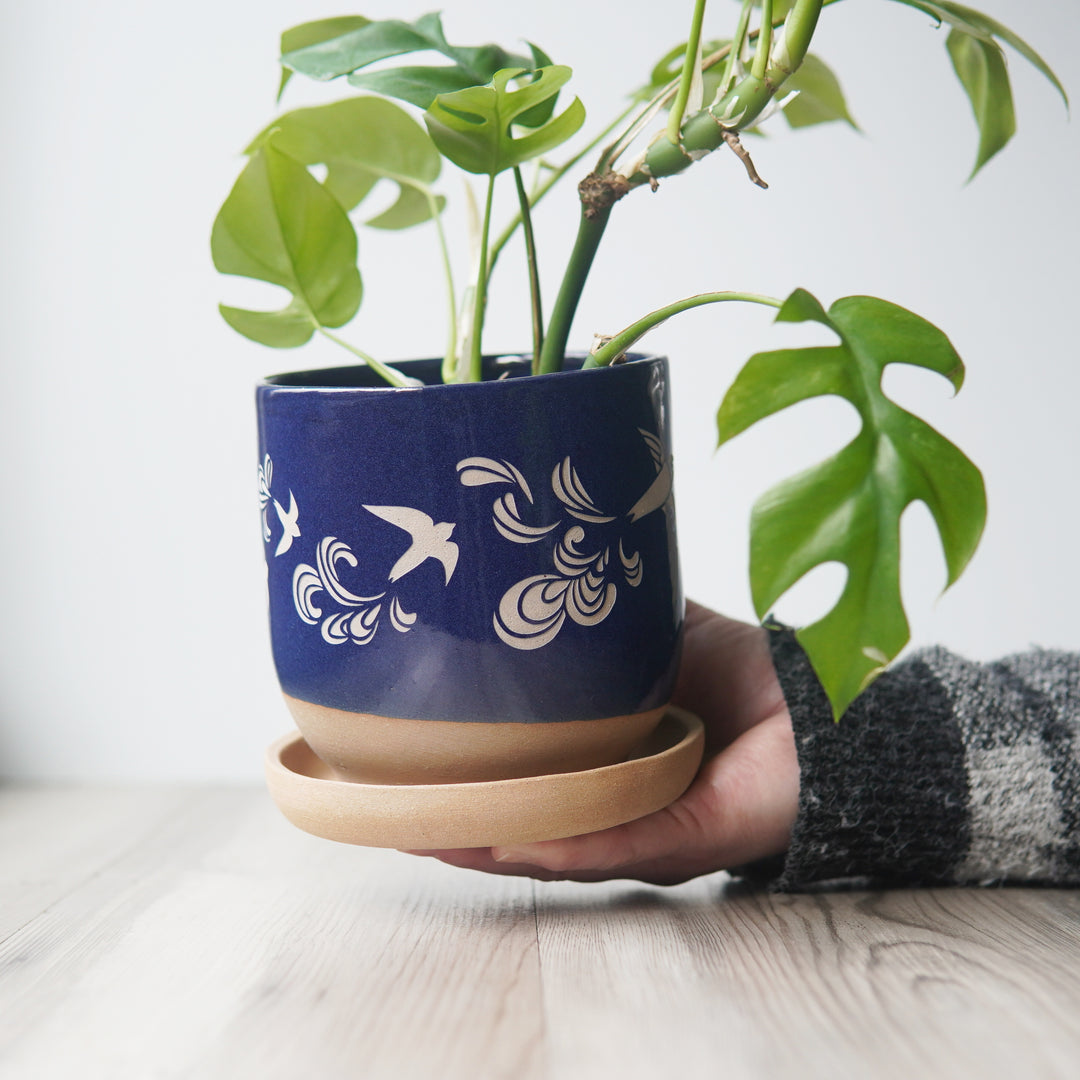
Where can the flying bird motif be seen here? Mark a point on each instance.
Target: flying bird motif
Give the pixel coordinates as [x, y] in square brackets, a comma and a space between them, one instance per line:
[288, 524]
[429, 540]
[659, 490]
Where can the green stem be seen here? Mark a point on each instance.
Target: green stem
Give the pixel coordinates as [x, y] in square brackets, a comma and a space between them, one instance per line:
[799, 27]
[651, 107]
[590, 232]
[625, 339]
[390, 374]
[764, 42]
[800, 19]
[534, 271]
[593, 222]
[738, 42]
[556, 175]
[740, 107]
[476, 352]
[689, 70]
[450, 358]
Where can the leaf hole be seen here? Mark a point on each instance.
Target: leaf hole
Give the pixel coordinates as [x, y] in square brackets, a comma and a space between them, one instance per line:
[813, 595]
[807, 432]
[462, 114]
[253, 295]
[923, 572]
[915, 388]
[801, 335]
[384, 194]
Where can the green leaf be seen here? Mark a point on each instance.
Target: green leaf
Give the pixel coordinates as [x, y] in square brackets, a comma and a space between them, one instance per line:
[360, 141]
[540, 58]
[312, 33]
[980, 66]
[419, 86]
[472, 127]
[976, 23]
[350, 51]
[820, 98]
[541, 113]
[282, 226]
[666, 69]
[847, 509]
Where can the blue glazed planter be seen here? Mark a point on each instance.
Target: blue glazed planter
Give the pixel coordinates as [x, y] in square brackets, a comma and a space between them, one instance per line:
[445, 562]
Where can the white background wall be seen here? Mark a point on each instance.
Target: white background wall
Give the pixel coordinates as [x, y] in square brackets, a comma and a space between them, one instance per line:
[132, 600]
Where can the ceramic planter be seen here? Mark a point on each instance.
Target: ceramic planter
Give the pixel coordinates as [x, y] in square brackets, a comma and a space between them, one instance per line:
[476, 582]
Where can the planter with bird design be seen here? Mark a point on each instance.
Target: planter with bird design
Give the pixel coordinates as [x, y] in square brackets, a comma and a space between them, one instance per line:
[472, 582]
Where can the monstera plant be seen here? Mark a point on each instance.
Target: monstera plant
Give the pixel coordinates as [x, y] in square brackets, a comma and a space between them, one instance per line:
[423, 103]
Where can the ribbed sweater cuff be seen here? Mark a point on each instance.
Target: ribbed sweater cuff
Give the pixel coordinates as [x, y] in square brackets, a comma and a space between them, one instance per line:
[943, 771]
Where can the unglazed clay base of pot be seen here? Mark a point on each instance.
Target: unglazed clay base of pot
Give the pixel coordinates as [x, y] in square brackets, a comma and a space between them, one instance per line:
[523, 810]
[372, 749]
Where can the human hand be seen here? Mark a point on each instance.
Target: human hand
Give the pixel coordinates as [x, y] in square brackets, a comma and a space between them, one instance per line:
[740, 807]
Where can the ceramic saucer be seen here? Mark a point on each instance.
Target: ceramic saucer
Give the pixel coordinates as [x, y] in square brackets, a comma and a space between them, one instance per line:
[426, 816]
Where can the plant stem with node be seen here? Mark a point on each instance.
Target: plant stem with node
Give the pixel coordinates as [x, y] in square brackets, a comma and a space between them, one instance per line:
[703, 132]
[741, 106]
[598, 195]
[556, 175]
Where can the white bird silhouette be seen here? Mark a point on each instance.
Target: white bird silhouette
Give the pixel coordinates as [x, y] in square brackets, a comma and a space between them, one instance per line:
[288, 523]
[429, 541]
[658, 493]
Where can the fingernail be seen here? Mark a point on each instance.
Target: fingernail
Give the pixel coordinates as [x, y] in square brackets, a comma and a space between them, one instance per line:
[511, 854]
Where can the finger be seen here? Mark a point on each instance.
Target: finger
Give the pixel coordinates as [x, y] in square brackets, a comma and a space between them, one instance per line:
[739, 809]
[481, 859]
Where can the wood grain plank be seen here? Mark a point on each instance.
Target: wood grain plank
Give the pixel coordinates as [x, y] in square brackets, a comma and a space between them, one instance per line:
[233, 946]
[54, 838]
[929, 983]
[196, 934]
[626, 991]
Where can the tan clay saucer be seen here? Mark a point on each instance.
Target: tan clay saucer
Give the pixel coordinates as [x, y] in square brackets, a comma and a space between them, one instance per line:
[426, 816]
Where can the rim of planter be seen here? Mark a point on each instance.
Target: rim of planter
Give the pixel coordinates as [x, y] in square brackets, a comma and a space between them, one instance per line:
[497, 368]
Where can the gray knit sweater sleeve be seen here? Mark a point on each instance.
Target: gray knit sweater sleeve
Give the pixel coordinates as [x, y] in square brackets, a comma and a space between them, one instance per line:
[944, 771]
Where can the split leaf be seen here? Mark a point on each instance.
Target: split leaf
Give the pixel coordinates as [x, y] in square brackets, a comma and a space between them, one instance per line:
[349, 52]
[360, 141]
[418, 86]
[847, 509]
[280, 225]
[313, 33]
[472, 127]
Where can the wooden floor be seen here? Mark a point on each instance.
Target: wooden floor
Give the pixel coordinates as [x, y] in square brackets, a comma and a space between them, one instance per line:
[152, 934]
